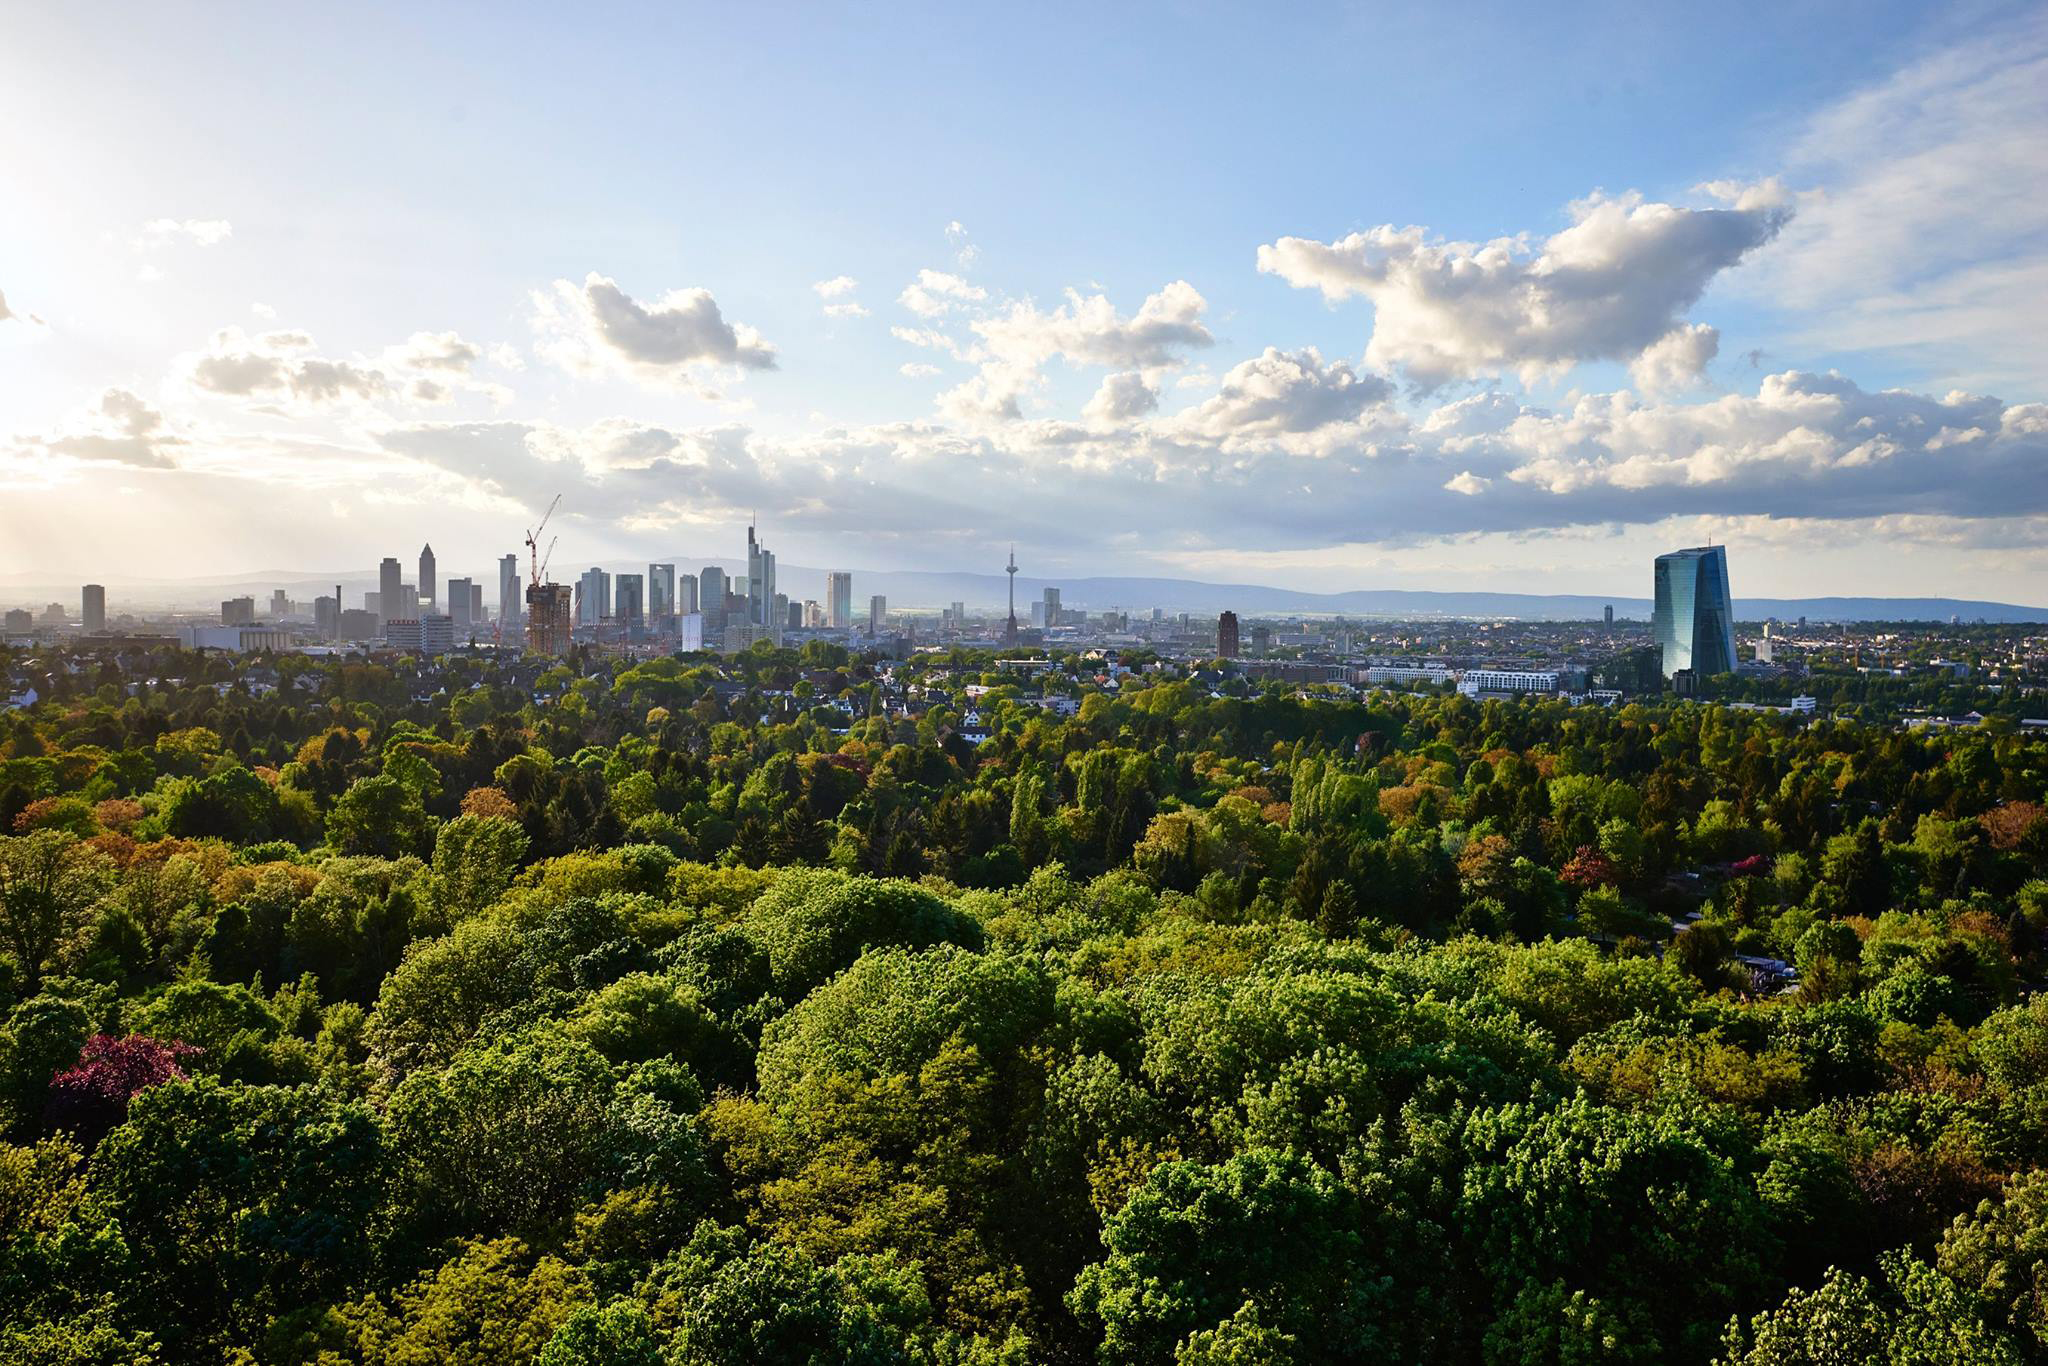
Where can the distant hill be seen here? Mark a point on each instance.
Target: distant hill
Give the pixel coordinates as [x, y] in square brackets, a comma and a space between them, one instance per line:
[928, 590]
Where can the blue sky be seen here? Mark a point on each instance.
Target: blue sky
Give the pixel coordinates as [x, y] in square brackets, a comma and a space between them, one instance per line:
[244, 219]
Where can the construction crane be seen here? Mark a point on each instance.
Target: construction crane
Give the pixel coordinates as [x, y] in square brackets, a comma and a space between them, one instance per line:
[533, 554]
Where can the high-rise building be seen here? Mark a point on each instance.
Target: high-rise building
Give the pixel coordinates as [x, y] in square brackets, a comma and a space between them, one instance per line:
[760, 582]
[458, 607]
[813, 614]
[427, 580]
[711, 597]
[1693, 622]
[629, 602]
[327, 616]
[508, 592]
[437, 633]
[280, 604]
[476, 605]
[93, 617]
[238, 612]
[1052, 607]
[389, 579]
[593, 597]
[878, 614]
[1226, 636]
[547, 618]
[793, 613]
[661, 591]
[839, 600]
[686, 595]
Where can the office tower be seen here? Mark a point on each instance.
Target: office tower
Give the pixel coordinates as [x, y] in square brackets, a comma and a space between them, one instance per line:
[1262, 639]
[593, 597]
[458, 607]
[839, 600]
[878, 614]
[508, 592]
[686, 595]
[388, 582]
[93, 615]
[20, 621]
[813, 614]
[373, 603]
[437, 633]
[793, 613]
[427, 573]
[1010, 629]
[280, 604]
[661, 591]
[778, 616]
[760, 582]
[1610, 616]
[1226, 636]
[547, 618]
[327, 616]
[1693, 622]
[238, 612]
[711, 601]
[476, 605]
[400, 634]
[690, 632]
[1052, 607]
[629, 602]
[408, 602]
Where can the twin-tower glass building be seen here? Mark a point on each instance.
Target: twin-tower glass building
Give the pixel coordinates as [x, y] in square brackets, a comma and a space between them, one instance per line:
[1694, 619]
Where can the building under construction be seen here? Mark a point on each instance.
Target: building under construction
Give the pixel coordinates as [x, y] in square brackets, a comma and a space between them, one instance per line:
[547, 618]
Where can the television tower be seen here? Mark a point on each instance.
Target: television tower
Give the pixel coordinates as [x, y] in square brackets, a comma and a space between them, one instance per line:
[1010, 631]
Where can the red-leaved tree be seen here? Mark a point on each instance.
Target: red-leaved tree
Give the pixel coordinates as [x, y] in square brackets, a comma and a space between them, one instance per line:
[92, 1097]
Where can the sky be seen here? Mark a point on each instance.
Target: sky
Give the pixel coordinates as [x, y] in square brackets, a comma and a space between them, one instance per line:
[1331, 296]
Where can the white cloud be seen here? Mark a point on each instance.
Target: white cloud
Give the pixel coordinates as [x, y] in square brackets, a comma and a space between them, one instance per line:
[1676, 360]
[121, 429]
[917, 369]
[934, 292]
[1926, 235]
[445, 352]
[1279, 393]
[965, 253]
[596, 326]
[1606, 288]
[1123, 396]
[1468, 484]
[205, 232]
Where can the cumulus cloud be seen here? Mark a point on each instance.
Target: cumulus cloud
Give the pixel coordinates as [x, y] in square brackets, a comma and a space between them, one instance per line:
[934, 292]
[1123, 396]
[1280, 392]
[917, 369]
[274, 365]
[121, 429]
[837, 295]
[1467, 483]
[444, 352]
[1676, 360]
[1608, 287]
[597, 326]
[205, 232]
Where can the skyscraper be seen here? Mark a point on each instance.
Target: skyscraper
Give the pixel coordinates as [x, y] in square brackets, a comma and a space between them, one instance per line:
[878, 614]
[1226, 636]
[711, 601]
[593, 597]
[760, 582]
[1694, 619]
[509, 615]
[94, 614]
[661, 591]
[547, 618]
[458, 608]
[1610, 614]
[427, 582]
[388, 584]
[1052, 607]
[686, 595]
[839, 600]
[628, 599]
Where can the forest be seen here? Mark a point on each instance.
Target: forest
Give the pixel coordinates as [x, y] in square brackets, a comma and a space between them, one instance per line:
[704, 1013]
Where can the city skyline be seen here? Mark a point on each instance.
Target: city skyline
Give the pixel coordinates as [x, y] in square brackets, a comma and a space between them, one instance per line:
[1712, 291]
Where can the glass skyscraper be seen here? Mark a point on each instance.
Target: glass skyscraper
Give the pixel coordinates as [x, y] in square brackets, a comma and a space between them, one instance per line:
[1694, 620]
